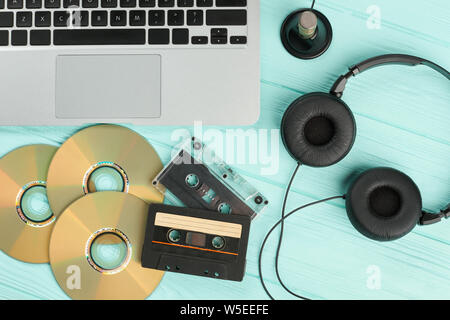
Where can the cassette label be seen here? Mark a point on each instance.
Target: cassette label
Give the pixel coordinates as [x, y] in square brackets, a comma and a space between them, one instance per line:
[199, 225]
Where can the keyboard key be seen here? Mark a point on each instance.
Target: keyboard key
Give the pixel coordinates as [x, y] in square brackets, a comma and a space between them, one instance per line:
[226, 17]
[195, 17]
[158, 36]
[61, 18]
[6, 19]
[219, 36]
[219, 32]
[4, 38]
[219, 40]
[166, 3]
[185, 3]
[109, 3]
[137, 18]
[90, 3]
[40, 37]
[146, 3]
[128, 3]
[71, 3]
[99, 18]
[175, 17]
[19, 37]
[199, 40]
[98, 37]
[231, 3]
[24, 19]
[80, 18]
[15, 4]
[204, 3]
[118, 18]
[42, 18]
[33, 4]
[238, 40]
[156, 18]
[51, 4]
[180, 36]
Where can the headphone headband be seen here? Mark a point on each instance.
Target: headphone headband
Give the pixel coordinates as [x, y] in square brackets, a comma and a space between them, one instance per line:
[401, 59]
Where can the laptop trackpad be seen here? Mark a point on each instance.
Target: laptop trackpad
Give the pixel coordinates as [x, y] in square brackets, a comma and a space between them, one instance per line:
[108, 86]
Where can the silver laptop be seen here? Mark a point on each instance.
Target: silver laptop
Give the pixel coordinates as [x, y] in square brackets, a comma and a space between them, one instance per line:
[146, 62]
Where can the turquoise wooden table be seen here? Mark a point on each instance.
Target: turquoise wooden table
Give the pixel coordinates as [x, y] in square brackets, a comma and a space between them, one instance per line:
[402, 115]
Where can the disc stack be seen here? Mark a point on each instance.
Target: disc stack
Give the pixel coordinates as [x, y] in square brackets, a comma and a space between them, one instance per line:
[83, 208]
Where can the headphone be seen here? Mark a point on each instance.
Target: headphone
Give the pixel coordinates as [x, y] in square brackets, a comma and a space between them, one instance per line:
[319, 130]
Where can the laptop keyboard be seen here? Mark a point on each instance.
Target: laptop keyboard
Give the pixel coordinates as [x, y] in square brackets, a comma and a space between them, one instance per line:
[214, 23]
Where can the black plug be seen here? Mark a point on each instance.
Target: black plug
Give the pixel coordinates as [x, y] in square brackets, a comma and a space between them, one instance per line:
[432, 218]
[446, 212]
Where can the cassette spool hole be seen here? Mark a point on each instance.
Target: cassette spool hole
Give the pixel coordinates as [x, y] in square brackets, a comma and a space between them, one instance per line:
[192, 180]
[174, 235]
[218, 242]
[32, 204]
[197, 145]
[224, 208]
[105, 176]
[109, 251]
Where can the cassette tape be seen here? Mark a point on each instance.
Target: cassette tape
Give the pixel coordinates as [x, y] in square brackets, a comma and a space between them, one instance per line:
[196, 242]
[197, 178]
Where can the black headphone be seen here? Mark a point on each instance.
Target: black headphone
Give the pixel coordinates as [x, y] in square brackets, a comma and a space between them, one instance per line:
[319, 129]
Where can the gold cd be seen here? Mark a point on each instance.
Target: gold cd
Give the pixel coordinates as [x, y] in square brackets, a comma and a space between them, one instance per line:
[26, 220]
[102, 158]
[96, 247]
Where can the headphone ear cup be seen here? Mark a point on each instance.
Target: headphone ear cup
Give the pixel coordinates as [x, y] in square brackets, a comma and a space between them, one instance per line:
[318, 129]
[384, 204]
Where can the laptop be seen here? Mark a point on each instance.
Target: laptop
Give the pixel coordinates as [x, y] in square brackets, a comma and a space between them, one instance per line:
[144, 62]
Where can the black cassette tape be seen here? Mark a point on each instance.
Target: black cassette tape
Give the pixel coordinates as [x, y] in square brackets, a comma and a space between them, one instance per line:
[194, 241]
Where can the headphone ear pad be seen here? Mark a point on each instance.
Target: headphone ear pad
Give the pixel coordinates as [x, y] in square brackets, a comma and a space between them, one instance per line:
[318, 129]
[384, 204]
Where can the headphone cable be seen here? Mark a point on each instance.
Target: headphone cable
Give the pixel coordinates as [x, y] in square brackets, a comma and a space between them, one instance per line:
[280, 240]
[281, 221]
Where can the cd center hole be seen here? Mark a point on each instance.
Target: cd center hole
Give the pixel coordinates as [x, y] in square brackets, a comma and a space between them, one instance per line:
[319, 131]
[385, 201]
[34, 204]
[106, 178]
[108, 251]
